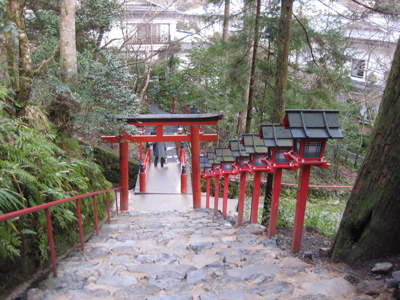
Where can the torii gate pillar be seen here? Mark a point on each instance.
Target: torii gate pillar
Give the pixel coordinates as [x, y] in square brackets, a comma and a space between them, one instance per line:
[195, 137]
[124, 173]
[196, 177]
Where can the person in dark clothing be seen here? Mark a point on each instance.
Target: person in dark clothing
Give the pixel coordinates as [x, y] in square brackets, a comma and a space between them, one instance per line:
[160, 151]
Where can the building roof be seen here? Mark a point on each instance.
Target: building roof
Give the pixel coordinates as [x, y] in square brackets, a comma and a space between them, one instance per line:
[275, 135]
[253, 144]
[312, 123]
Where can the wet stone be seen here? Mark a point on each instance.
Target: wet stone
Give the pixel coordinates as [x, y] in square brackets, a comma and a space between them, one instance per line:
[122, 249]
[237, 294]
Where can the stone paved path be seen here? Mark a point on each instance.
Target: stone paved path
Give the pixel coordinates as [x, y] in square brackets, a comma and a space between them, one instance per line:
[187, 255]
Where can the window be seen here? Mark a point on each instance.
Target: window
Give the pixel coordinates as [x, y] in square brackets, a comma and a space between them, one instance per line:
[228, 167]
[280, 158]
[258, 162]
[297, 146]
[312, 149]
[153, 33]
[357, 68]
[243, 160]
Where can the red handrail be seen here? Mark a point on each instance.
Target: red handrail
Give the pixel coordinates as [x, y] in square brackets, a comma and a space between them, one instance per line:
[46, 207]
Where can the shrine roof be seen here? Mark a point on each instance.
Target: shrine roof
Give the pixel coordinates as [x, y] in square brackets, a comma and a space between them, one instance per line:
[253, 144]
[224, 154]
[171, 119]
[237, 148]
[275, 135]
[313, 123]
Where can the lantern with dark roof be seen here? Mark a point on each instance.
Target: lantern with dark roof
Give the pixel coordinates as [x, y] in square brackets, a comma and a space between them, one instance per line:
[225, 158]
[278, 140]
[241, 156]
[215, 164]
[255, 147]
[310, 130]
[207, 167]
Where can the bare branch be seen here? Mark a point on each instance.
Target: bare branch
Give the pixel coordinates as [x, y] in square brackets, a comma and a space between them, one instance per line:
[395, 13]
[45, 62]
[308, 40]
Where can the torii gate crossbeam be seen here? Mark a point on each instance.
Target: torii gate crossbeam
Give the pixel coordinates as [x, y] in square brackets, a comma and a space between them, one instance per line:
[160, 120]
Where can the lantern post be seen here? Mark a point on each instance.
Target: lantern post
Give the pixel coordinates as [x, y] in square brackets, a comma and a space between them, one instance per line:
[254, 146]
[278, 140]
[310, 130]
[216, 169]
[224, 156]
[241, 167]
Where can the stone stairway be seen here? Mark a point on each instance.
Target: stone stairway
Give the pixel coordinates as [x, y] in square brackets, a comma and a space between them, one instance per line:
[187, 254]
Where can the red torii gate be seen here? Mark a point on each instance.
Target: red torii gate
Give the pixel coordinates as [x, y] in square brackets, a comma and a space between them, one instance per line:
[160, 120]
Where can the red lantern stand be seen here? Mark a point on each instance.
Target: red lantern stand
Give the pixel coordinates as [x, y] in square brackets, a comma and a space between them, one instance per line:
[254, 146]
[240, 167]
[216, 169]
[278, 140]
[310, 130]
[224, 156]
[160, 120]
[207, 173]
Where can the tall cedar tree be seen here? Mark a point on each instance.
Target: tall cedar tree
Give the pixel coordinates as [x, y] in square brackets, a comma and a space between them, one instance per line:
[370, 226]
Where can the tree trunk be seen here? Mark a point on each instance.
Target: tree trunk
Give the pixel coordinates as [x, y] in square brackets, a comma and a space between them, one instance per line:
[370, 227]
[61, 108]
[278, 109]
[24, 86]
[253, 67]
[225, 33]
[283, 42]
[68, 56]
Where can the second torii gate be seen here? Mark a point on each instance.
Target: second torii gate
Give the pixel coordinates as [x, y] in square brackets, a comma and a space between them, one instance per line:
[160, 120]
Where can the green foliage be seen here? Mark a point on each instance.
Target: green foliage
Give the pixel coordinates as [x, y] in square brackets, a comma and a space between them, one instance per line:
[324, 216]
[35, 170]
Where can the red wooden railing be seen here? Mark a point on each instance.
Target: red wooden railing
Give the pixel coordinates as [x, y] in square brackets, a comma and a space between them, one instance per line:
[46, 207]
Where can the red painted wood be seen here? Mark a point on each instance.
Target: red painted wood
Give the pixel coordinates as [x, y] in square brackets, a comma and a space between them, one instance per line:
[51, 241]
[301, 201]
[242, 195]
[80, 226]
[275, 203]
[196, 177]
[225, 200]
[123, 169]
[208, 189]
[183, 183]
[216, 194]
[96, 215]
[256, 198]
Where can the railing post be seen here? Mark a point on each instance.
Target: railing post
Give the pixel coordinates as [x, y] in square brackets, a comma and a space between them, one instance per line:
[78, 208]
[184, 180]
[51, 241]
[116, 201]
[124, 174]
[142, 178]
[96, 217]
[108, 207]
